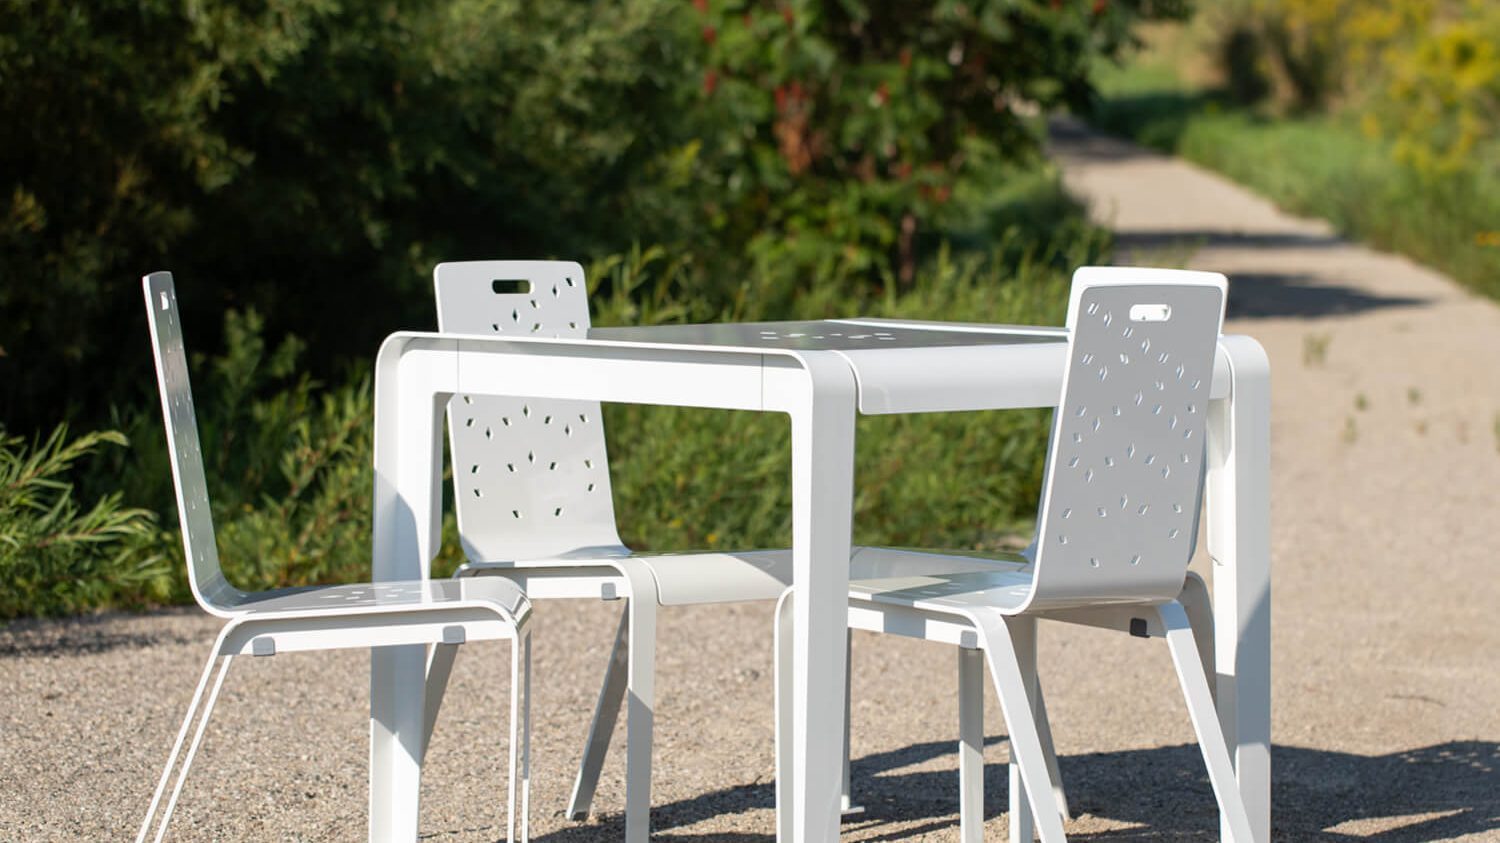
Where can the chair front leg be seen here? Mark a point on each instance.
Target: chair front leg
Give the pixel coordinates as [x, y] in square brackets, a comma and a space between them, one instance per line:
[602, 728]
[1205, 719]
[999, 636]
[187, 762]
[971, 745]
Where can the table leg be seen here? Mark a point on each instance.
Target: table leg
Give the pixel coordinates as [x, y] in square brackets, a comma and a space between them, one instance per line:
[822, 503]
[410, 393]
[1239, 540]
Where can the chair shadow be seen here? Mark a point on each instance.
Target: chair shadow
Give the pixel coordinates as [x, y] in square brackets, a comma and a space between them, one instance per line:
[1437, 792]
[87, 634]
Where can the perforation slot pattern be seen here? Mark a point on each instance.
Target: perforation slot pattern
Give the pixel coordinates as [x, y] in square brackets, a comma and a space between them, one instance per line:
[182, 437]
[871, 336]
[1126, 467]
[531, 476]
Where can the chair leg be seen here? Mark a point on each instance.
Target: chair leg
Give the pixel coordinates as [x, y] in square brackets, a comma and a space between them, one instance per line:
[999, 636]
[1022, 823]
[520, 720]
[971, 745]
[606, 713]
[640, 707]
[439, 668]
[213, 696]
[1044, 731]
[1199, 606]
[846, 800]
[1205, 721]
[784, 712]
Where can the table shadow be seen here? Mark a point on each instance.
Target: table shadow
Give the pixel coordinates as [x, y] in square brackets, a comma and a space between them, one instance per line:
[1438, 792]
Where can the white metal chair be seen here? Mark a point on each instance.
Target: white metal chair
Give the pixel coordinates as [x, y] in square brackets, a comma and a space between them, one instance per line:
[1116, 529]
[532, 491]
[362, 615]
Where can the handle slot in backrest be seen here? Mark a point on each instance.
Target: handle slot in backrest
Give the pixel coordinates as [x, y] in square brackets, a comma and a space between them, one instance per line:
[511, 287]
[1150, 312]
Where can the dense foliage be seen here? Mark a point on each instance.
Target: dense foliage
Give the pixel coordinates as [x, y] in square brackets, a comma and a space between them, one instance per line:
[301, 165]
[55, 555]
[313, 159]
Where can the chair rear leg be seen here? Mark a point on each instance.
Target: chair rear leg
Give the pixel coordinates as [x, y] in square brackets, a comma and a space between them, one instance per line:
[846, 800]
[606, 713]
[526, 744]
[520, 745]
[784, 714]
[1022, 823]
[1011, 685]
[1199, 606]
[971, 745]
[1044, 730]
[439, 668]
[187, 761]
[1205, 721]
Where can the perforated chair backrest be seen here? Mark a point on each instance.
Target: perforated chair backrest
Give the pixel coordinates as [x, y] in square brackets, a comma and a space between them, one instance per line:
[1125, 470]
[212, 591]
[530, 476]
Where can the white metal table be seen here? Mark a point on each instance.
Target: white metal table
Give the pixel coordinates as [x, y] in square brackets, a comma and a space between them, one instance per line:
[818, 373]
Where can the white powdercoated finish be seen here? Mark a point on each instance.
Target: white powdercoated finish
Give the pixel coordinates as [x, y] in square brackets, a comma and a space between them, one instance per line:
[1124, 480]
[415, 369]
[1124, 474]
[532, 490]
[530, 476]
[365, 615]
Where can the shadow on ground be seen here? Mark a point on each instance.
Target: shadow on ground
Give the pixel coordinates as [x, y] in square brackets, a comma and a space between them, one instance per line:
[1268, 295]
[1263, 295]
[93, 634]
[1437, 792]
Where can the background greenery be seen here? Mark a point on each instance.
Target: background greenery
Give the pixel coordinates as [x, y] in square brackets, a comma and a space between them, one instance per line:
[301, 165]
[1382, 117]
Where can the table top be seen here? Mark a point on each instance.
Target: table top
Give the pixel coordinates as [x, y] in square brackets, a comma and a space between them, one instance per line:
[833, 334]
[900, 366]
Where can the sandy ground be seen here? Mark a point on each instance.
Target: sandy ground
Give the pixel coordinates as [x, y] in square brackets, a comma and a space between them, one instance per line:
[1387, 648]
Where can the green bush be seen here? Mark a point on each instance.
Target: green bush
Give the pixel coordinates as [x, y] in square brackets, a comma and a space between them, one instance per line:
[57, 555]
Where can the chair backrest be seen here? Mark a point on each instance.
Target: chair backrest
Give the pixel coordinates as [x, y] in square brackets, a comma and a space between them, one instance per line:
[212, 591]
[1125, 470]
[530, 476]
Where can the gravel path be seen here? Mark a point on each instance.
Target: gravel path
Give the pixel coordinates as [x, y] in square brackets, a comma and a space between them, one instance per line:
[1387, 651]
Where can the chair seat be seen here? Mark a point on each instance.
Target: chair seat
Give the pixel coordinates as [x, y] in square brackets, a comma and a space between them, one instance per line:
[684, 579]
[688, 578]
[402, 596]
[947, 583]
